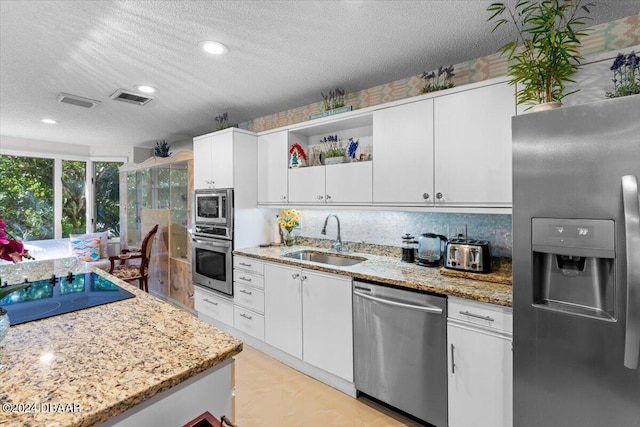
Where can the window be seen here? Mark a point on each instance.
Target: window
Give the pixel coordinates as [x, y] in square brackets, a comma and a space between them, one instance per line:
[27, 196]
[107, 197]
[74, 198]
[47, 198]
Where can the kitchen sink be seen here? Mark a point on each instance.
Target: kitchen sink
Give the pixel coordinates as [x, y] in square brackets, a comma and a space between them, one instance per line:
[326, 258]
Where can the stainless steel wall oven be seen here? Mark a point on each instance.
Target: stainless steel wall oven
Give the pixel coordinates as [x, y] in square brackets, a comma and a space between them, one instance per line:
[212, 242]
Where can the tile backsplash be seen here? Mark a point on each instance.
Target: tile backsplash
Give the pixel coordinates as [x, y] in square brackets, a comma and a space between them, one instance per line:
[387, 227]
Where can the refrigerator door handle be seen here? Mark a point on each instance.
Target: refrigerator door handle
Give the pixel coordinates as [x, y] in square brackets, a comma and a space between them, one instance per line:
[631, 205]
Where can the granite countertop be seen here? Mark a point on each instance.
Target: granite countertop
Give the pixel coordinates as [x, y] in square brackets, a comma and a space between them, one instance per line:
[103, 360]
[391, 270]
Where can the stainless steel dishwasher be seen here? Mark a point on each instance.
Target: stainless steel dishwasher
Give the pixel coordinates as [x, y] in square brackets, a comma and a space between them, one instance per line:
[400, 349]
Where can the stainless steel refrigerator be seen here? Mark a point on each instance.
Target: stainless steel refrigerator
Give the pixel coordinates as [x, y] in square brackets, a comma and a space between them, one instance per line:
[576, 265]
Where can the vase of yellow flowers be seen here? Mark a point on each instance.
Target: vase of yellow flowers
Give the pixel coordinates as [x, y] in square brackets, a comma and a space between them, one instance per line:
[289, 219]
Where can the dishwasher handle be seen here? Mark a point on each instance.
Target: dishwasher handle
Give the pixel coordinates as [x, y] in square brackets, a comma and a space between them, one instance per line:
[425, 308]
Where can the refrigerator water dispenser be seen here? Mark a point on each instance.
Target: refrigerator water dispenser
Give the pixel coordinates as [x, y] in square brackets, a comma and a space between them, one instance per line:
[573, 266]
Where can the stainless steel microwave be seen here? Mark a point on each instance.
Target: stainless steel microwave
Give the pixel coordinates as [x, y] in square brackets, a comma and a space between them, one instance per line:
[213, 207]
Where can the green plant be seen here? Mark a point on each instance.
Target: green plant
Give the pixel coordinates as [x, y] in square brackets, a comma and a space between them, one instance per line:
[433, 82]
[626, 75]
[162, 149]
[333, 147]
[549, 56]
[223, 121]
[335, 99]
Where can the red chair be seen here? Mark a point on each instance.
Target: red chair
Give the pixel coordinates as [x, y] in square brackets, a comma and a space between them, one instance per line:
[130, 272]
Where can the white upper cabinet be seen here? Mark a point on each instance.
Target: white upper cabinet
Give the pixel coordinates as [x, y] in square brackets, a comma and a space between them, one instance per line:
[349, 183]
[213, 161]
[403, 154]
[473, 146]
[306, 185]
[272, 167]
[227, 159]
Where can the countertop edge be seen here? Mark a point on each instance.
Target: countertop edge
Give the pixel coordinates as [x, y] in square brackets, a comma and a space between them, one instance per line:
[450, 289]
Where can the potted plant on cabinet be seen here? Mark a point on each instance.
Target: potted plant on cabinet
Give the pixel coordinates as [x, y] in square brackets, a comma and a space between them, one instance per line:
[334, 151]
[545, 55]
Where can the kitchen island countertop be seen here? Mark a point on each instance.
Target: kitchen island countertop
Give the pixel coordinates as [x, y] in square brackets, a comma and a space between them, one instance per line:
[391, 270]
[101, 361]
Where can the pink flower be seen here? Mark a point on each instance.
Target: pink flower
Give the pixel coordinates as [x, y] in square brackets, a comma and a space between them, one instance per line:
[11, 249]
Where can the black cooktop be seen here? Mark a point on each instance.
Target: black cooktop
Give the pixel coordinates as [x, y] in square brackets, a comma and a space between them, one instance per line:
[60, 295]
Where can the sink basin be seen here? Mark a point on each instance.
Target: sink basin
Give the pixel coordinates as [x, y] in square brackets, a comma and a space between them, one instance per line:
[326, 258]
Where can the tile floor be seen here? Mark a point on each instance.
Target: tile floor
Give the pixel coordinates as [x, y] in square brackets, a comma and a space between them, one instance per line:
[271, 394]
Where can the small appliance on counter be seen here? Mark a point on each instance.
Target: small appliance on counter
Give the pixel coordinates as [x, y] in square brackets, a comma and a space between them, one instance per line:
[430, 249]
[468, 255]
[408, 248]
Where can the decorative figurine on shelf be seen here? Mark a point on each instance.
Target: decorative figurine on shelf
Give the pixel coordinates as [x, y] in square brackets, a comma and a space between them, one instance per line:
[223, 121]
[298, 157]
[161, 149]
[352, 148]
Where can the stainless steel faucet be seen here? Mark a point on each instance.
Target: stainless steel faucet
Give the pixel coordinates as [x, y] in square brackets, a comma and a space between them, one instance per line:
[337, 244]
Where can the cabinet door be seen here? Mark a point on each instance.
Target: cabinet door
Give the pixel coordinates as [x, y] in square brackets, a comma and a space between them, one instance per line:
[480, 380]
[349, 183]
[202, 163]
[222, 160]
[306, 185]
[473, 146]
[403, 154]
[272, 167]
[283, 309]
[327, 325]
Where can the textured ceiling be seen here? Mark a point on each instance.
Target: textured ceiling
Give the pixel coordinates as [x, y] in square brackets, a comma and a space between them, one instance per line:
[282, 54]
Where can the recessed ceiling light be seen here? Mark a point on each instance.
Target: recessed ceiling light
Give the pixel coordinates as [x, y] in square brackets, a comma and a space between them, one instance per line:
[146, 89]
[49, 121]
[214, 48]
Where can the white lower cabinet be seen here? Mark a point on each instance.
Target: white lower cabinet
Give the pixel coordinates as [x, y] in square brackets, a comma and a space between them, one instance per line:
[327, 323]
[309, 315]
[283, 308]
[212, 305]
[480, 364]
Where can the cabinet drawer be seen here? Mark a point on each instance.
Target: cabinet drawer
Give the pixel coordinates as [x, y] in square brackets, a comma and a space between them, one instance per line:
[252, 279]
[211, 305]
[248, 264]
[481, 314]
[248, 322]
[249, 297]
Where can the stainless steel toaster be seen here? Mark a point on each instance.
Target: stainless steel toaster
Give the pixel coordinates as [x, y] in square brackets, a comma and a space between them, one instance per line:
[468, 255]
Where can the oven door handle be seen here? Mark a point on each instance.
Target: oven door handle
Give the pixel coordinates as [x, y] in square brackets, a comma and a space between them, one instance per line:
[213, 243]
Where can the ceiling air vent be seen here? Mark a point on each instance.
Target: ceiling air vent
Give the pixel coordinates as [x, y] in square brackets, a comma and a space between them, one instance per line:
[130, 97]
[80, 101]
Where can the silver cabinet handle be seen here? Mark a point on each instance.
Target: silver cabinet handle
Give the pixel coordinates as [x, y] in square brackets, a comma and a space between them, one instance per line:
[425, 308]
[303, 278]
[477, 316]
[211, 302]
[453, 363]
[245, 316]
[283, 197]
[295, 276]
[425, 196]
[320, 197]
[328, 197]
[631, 205]
[247, 279]
[244, 264]
[439, 196]
[246, 292]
